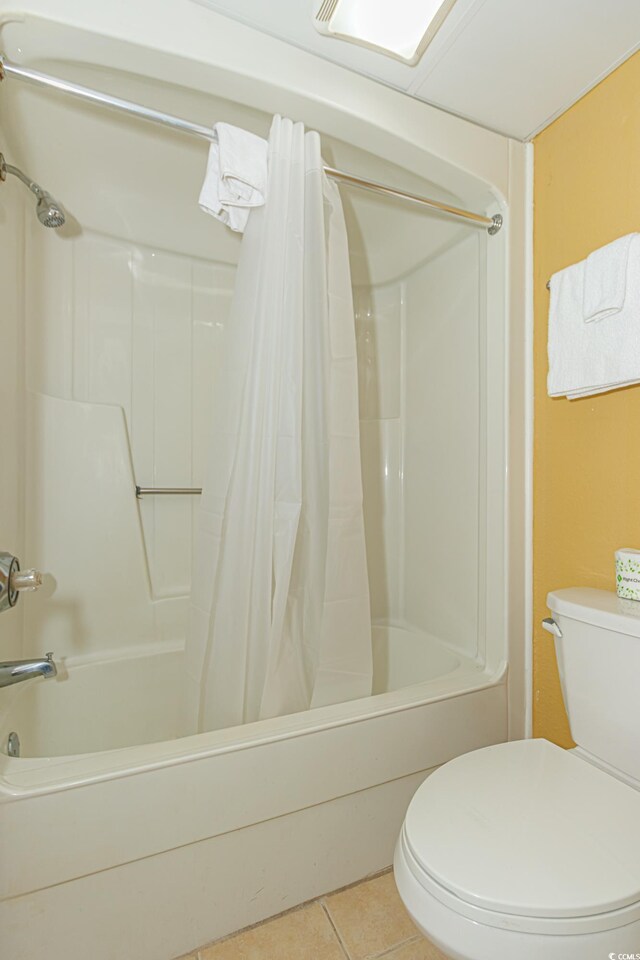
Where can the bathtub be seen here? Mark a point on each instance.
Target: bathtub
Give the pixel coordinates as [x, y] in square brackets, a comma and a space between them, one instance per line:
[156, 844]
[120, 839]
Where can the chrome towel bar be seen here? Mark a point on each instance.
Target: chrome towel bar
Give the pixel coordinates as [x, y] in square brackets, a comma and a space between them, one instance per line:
[154, 491]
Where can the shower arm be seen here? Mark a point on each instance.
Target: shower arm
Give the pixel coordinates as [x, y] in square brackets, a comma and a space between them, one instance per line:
[6, 168]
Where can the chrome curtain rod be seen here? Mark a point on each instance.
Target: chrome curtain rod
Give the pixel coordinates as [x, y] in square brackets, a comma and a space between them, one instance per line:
[9, 69]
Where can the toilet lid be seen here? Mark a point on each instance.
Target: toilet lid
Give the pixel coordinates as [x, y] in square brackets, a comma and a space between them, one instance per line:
[527, 828]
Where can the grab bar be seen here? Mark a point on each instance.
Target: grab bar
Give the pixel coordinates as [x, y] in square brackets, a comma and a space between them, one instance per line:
[154, 491]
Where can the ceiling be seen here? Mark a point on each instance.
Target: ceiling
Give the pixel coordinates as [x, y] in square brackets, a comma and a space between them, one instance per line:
[510, 65]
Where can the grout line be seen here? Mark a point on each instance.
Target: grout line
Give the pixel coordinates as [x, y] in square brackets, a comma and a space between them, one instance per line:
[396, 946]
[299, 906]
[356, 883]
[334, 928]
[251, 926]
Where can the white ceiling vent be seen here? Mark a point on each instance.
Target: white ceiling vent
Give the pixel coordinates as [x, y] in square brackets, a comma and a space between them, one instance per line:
[400, 28]
[326, 11]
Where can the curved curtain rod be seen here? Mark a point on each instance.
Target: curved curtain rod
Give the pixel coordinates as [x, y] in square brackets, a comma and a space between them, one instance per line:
[7, 68]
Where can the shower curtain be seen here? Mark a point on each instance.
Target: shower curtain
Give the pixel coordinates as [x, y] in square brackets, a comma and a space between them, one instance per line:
[280, 616]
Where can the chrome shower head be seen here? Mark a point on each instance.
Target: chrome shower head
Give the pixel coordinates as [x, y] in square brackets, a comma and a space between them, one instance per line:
[48, 211]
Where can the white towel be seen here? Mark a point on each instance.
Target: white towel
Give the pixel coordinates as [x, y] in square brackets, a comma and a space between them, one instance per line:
[236, 176]
[590, 358]
[605, 279]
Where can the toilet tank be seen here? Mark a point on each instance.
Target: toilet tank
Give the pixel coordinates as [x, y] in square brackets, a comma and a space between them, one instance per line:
[598, 651]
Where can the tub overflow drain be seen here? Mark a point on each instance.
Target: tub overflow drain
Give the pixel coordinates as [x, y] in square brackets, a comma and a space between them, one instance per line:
[13, 744]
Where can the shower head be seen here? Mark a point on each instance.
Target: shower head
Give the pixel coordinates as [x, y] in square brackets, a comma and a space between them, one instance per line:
[48, 211]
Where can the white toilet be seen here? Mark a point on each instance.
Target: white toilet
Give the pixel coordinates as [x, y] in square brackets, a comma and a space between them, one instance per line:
[525, 851]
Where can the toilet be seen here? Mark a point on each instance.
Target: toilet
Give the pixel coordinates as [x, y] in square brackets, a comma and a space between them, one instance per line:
[524, 850]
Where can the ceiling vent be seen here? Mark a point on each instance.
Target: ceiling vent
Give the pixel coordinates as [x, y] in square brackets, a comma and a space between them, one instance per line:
[402, 29]
[326, 11]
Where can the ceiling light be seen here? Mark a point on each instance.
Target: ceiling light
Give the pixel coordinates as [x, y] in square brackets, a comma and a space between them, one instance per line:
[400, 28]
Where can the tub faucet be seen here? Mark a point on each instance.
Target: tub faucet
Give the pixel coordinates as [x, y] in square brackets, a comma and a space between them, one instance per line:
[15, 671]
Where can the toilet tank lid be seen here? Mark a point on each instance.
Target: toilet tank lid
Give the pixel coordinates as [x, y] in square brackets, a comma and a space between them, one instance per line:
[601, 608]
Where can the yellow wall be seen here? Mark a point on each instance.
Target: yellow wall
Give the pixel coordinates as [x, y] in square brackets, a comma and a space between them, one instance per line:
[586, 452]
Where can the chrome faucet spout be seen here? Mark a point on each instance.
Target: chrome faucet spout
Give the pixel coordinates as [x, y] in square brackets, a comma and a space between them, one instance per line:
[15, 671]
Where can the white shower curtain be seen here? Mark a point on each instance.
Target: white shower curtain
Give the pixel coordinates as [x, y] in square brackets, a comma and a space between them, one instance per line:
[280, 600]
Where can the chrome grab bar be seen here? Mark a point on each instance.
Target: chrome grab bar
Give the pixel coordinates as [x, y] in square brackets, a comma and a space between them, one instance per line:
[154, 491]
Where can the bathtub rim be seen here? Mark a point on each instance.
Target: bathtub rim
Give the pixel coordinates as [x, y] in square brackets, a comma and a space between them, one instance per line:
[136, 660]
[22, 777]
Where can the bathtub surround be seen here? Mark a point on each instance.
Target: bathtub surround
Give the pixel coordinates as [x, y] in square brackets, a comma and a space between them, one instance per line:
[280, 617]
[162, 842]
[12, 207]
[587, 467]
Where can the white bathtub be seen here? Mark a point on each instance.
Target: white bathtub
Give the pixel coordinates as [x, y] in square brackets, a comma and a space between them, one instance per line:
[155, 845]
[132, 700]
[121, 841]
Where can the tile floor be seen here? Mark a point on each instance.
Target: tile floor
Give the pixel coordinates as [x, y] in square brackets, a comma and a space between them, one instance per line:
[361, 922]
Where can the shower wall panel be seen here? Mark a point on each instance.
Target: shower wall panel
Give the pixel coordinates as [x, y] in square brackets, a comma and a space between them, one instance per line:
[443, 425]
[420, 360]
[11, 387]
[378, 313]
[131, 338]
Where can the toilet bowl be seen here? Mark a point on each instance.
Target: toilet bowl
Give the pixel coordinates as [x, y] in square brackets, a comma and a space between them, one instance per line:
[525, 851]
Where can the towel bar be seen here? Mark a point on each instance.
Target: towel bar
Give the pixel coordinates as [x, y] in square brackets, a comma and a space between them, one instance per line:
[154, 491]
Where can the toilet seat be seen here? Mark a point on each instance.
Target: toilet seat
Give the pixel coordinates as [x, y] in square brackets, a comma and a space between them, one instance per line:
[544, 926]
[482, 833]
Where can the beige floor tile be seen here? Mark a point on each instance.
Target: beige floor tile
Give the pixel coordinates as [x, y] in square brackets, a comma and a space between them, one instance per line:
[416, 950]
[302, 935]
[370, 917]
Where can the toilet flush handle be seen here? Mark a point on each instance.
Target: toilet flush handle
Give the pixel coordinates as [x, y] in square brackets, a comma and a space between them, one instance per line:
[551, 626]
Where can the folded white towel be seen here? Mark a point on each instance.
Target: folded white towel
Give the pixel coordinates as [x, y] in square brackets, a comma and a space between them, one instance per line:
[236, 176]
[590, 358]
[605, 279]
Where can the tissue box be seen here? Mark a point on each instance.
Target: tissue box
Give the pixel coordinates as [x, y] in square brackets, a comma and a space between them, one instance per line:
[628, 573]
